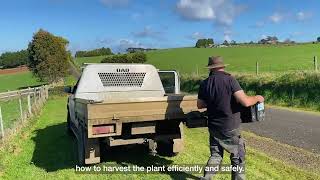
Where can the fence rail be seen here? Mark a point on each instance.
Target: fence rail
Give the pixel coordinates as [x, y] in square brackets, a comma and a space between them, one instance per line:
[16, 107]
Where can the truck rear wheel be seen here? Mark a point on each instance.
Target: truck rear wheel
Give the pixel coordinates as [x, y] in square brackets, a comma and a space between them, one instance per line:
[69, 130]
[165, 148]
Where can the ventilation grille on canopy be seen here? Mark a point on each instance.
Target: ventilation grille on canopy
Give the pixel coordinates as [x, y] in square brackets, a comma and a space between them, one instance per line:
[122, 79]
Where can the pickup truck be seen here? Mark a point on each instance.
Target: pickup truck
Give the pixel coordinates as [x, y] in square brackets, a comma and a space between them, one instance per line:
[122, 104]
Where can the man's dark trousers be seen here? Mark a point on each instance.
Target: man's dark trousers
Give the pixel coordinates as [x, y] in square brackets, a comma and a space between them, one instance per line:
[230, 141]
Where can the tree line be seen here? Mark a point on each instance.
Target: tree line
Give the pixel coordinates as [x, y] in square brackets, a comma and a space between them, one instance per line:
[204, 43]
[95, 52]
[13, 59]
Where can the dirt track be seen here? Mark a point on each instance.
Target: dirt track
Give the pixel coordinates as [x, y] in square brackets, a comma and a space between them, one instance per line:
[14, 70]
[299, 129]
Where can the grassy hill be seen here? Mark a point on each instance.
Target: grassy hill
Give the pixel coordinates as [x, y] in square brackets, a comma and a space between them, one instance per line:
[81, 60]
[241, 59]
[17, 81]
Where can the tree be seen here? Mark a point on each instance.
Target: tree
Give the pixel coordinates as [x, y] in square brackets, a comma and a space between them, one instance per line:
[203, 43]
[200, 43]
[233, 42]
[48, 57]
[225, 42]
[318, 39]
[13, 59]
[210, 41]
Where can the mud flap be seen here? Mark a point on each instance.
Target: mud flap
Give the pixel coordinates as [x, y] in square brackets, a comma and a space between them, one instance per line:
[178, 144]
[92, 151]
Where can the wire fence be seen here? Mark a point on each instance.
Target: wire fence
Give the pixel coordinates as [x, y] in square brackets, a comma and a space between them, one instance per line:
[257, 67]
[17, 107]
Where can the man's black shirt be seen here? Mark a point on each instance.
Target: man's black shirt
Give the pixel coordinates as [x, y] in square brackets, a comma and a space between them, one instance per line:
[217, 92]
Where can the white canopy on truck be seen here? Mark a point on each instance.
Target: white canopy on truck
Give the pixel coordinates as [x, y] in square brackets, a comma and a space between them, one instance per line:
[102, 82]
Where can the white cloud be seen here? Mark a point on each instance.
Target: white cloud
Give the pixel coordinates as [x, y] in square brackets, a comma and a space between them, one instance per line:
[220, 11]
[136, 16]
[122, 44]
[148, 32]
[302, 16]
[115, 3]
[196, 35]
[227, 35]
[259, 24]
[276, 17]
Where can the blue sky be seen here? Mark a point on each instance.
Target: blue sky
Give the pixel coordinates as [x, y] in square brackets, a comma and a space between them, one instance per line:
[120, 24]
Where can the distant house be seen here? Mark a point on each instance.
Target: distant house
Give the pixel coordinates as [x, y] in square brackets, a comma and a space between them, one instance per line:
[132, 50]
[222, 46]
[269, 40]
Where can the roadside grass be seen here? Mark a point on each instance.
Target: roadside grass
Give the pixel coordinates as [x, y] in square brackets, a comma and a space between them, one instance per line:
[44, 150]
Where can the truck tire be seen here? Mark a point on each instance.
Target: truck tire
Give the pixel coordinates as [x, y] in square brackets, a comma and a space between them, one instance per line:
[69, 130]
[165, 148]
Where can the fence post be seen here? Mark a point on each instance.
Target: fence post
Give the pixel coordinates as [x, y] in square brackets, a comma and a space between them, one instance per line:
[315, 63]
[29, 103]
[20, 105]
[1, 124]
[257, 68]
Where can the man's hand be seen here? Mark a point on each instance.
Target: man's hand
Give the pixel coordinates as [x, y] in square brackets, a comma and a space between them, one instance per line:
[201, 104]
[260, 98]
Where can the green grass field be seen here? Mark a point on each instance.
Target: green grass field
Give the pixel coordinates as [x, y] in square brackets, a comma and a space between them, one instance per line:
[80, 61]
[17, 81]
[241, 59]
[44, 150]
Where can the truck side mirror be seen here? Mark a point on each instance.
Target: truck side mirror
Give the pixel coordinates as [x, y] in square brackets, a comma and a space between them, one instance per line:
[68, 89]
[170, 81]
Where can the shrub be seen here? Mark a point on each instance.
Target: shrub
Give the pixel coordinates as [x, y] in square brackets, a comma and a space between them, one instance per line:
[298, 89]
[138, 57]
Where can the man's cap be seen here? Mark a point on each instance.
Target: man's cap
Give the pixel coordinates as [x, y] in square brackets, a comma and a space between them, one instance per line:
[216, 62]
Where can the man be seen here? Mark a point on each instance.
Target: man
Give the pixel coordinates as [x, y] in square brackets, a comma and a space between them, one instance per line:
[222, 95]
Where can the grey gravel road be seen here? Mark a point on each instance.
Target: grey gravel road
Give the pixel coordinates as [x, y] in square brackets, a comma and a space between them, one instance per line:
[300, 129]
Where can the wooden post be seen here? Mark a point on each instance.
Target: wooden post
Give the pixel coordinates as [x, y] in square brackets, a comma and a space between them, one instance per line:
[29, 103]
[1, 124]
[257, 68]
[315, 63]
[20, 105]
[35, 95]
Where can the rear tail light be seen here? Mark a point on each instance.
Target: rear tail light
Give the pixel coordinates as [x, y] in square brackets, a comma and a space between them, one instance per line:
[103, 129]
